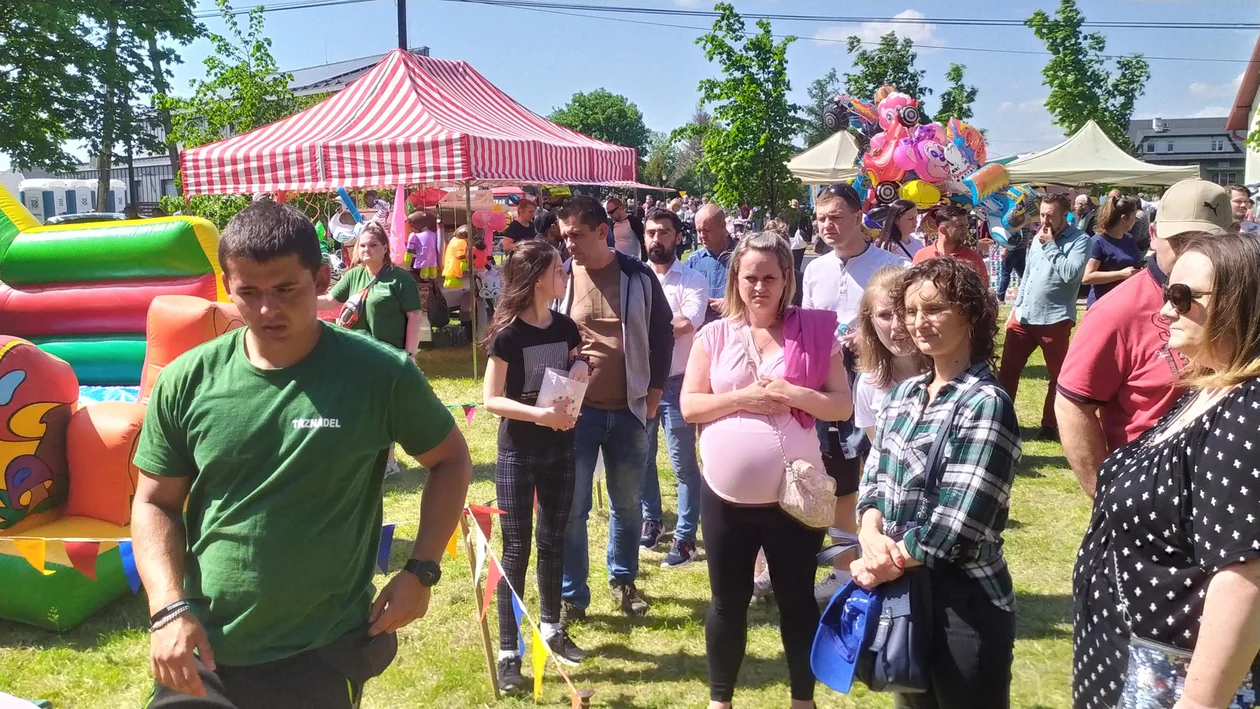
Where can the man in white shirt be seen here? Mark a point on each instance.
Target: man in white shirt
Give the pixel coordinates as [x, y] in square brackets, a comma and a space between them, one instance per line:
[835, 281]
[686, 291]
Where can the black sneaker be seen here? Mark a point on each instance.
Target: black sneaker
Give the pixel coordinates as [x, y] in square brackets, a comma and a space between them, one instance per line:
[570, 613]
[564, 650]
[632, 602]
[510, 679]
[651, 535]
[681, 553]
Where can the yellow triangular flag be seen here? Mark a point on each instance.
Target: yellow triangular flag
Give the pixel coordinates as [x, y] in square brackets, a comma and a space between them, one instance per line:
[539, 654]
[452, 547]
[33, 550]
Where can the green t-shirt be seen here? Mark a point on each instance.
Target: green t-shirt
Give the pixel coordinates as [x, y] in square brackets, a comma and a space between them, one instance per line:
[284, 513]
[392, 296]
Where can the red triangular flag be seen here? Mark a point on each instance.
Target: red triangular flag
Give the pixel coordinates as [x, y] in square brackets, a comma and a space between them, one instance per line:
[83, 556]
[482, 515]
[469, 410]
[492, 583]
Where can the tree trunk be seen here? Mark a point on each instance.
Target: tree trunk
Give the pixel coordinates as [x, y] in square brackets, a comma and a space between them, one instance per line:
[164, 113]
[105, 156]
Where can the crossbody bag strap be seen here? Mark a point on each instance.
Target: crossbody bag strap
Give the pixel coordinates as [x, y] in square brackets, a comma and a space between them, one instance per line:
[935, 460]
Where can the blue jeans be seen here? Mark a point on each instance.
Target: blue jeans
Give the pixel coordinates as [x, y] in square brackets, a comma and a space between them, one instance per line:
[624, 442]
[680, 438]
[1012, 263]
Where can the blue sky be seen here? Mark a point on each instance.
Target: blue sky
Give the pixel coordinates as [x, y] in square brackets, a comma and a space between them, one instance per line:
[542, 58]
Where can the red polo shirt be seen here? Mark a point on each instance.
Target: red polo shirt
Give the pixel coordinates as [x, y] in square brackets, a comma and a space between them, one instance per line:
[1120, 360]
[965, 253]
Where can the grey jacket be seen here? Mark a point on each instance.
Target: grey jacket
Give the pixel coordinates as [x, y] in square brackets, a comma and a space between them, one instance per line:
[647, 333]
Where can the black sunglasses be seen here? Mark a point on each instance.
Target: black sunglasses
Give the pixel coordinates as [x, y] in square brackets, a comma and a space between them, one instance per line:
[842, 189]
[1181, 296]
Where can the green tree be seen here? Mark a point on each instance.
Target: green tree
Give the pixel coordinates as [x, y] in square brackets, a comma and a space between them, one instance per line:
[890, 62]
[820, 91]
[243, 89]
[605, 116]
[691, 176]
[957, 99]
[661, 166]
[748, 145]
[1082, 85]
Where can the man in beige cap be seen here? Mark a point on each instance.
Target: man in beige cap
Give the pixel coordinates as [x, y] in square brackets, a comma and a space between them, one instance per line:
[1119, 375]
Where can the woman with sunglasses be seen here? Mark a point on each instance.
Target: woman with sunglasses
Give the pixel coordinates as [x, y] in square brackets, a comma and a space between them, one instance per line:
[1172, 554]
[956, 533]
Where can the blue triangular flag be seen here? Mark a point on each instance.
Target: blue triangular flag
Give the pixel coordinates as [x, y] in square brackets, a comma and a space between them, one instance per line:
[129, 565]
[520, 616]
[387, 541]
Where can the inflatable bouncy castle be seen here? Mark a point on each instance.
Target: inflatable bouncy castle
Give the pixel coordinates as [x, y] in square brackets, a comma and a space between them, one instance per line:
[67, 480]
[81, 291]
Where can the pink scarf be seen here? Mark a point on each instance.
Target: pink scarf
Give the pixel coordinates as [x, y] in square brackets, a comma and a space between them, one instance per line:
[808, 339]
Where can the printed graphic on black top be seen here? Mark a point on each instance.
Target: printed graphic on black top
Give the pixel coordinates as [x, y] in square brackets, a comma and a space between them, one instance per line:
[528, 352]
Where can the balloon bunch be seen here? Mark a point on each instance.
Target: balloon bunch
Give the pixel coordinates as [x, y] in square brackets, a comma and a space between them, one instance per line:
[906, 158]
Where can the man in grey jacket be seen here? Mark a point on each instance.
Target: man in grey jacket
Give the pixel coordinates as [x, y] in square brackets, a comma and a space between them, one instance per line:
[620, 308]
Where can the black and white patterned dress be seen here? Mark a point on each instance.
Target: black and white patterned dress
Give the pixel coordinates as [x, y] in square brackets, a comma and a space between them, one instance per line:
[1167, 515]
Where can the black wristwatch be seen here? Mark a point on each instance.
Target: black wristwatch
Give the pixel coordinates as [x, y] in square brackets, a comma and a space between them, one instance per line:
[429, 572]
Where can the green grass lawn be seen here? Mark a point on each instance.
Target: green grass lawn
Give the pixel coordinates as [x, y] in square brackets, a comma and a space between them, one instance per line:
[657, 661]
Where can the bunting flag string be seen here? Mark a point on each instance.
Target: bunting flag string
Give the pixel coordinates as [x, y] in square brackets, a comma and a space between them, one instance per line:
[129, 565]
[518, 610]
[34, 551]
[83, 556]
[387, 543]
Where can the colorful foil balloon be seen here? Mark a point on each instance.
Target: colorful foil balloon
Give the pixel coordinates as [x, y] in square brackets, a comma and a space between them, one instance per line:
[923, 194]
[986, 181]
[968, 139]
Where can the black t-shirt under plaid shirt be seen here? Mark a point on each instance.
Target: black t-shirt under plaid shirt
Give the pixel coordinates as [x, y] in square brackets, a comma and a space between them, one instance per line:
[973, 496]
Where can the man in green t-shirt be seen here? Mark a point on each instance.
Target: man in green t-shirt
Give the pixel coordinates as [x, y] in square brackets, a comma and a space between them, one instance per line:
[258, 516]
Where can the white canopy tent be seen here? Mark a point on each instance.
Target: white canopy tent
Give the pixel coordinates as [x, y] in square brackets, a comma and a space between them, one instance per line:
[827, 163]
[1090, 158]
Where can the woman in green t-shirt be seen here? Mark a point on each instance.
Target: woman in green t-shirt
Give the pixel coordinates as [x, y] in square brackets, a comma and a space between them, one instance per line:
[391, 307]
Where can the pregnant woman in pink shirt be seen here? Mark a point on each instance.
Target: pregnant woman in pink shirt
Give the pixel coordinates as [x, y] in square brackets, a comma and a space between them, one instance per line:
[799, 376]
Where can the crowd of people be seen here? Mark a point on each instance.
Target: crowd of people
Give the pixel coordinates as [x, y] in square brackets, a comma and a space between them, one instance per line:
[756, 365]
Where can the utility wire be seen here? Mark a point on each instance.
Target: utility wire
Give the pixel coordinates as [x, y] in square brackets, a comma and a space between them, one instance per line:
[552, 9]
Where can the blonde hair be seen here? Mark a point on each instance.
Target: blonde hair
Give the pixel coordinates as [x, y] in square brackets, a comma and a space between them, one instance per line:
[873, 358]
[765, 242]
[1229, 332]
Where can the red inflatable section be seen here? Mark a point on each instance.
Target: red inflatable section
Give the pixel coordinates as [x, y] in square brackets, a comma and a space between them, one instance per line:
[178, 323]
[90, 308]
[101, 441]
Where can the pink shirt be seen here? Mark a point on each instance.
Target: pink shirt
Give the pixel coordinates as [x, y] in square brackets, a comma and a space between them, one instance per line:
[1120, 360]
[739, 453]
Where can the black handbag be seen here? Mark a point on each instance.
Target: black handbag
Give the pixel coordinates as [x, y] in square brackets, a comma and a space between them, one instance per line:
[896, 652]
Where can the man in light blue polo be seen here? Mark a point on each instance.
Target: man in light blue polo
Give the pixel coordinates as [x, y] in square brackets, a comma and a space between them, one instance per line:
[713, 258]
[1045, 309]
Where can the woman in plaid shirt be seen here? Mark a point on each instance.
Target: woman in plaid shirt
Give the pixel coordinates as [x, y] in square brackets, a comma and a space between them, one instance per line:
[952, 318]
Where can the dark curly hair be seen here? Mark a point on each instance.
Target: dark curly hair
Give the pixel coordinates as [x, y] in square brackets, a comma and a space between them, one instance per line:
[960, 285]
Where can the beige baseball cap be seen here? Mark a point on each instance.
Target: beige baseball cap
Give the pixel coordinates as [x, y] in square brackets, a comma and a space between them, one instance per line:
[1193, 205]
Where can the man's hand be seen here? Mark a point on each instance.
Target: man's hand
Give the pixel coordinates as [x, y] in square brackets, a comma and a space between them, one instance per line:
[403, 600]
[171, 657]
[1045, 235]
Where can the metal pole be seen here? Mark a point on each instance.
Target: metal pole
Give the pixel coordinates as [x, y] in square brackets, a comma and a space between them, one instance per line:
[472, 277]
[402, 24]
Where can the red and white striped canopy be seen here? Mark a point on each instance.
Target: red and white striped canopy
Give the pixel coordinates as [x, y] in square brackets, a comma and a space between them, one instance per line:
[409, 120]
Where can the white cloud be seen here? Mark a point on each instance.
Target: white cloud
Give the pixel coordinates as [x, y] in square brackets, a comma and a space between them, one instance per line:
[1204, 90]
[1033, 105]
[1211, 112]
[920, 34]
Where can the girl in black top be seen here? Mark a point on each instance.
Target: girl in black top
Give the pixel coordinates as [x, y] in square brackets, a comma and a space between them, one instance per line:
[1172, 554]
[524, 339]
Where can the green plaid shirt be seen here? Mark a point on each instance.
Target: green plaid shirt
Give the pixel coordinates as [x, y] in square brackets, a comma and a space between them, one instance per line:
[964, 526]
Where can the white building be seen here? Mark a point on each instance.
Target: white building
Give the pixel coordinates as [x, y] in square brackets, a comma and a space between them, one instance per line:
[1242, 116]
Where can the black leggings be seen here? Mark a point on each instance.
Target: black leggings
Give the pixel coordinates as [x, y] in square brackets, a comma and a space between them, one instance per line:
[972, 645]
[518, 475]
[732, 536]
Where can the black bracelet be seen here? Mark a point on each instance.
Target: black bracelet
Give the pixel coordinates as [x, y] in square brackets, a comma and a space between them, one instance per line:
[170, 611]
[170, 619]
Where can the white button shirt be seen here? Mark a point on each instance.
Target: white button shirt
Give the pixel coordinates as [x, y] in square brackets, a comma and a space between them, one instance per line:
[687, 292]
